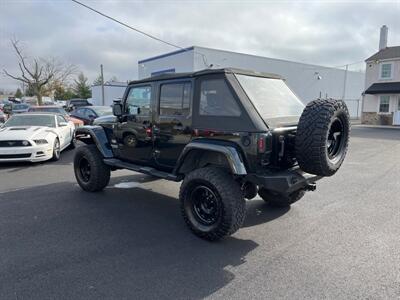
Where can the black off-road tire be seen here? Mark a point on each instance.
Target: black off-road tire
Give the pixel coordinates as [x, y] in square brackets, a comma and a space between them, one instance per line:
[322, 136]
[229, 203]
[279, 200]
[88, 158]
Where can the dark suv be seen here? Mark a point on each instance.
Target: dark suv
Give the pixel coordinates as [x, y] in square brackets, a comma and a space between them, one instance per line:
[228, 134]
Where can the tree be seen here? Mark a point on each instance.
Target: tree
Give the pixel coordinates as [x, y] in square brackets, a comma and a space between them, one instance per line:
[81, 88]
[97, 81]
[62, 92]
[39, 73]
[18, 93]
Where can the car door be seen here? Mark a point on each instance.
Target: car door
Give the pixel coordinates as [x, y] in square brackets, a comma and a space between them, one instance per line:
[133, 132]
[90, 115]
[172, 129]
[64, 130]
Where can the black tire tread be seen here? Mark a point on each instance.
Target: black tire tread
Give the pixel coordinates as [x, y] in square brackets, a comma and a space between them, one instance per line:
[311, 136]
[232, 198]
[277, 200]
[100, 172]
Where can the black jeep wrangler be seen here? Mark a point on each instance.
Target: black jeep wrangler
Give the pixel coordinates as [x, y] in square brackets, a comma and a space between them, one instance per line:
[228, 134]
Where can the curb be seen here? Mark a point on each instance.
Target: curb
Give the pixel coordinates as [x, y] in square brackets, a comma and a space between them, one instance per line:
[376, 126]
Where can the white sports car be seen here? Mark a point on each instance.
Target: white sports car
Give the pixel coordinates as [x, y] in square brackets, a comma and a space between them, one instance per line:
[35, 137]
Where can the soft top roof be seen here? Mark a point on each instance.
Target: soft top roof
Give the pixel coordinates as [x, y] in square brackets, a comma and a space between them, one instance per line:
[167, 76]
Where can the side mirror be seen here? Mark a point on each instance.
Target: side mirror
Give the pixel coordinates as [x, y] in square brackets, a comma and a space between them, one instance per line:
[63, 124]
[117, 109]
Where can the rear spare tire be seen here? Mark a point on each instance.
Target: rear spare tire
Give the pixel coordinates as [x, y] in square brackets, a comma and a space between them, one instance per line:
[322, 136]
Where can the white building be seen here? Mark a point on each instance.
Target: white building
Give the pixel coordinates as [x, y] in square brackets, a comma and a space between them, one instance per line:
[112, 91]
[381, 104]
[307, 81]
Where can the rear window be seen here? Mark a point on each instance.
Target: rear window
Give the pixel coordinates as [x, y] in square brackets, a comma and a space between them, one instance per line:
[271, 97]
[216, 99]
[175, 99]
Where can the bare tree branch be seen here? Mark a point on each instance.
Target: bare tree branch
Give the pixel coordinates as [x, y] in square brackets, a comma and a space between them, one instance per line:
[13, 77]
[40, 74]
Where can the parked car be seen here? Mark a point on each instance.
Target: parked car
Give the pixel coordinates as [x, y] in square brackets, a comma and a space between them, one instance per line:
[89, 114]
[19, 108]
[58, 110]
[3, 116]
[35, 137]
[228, 134]
[74, 103]
[108, 119]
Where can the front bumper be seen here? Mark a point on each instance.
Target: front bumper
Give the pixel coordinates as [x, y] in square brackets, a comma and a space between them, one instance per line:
[285, 182]
[31, 153]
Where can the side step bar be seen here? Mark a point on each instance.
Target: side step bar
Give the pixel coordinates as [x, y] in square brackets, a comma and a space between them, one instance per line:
[113, 162]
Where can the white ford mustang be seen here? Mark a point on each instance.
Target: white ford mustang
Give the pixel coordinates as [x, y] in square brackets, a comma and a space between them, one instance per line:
[35, 137]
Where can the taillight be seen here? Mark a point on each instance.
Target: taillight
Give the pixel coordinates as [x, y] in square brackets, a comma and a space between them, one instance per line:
[148, 131]
[261, 144]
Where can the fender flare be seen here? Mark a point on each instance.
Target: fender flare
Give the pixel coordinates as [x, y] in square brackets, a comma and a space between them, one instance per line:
[232, 155]
[98, 136]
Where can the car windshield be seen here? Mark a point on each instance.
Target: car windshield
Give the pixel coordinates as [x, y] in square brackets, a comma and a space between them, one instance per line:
[31, 120]
[49, 109]
[103, 111]
[20, 106]
[271, 97]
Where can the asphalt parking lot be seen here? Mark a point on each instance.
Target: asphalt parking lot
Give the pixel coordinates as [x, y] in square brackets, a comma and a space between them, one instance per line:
[340, 242]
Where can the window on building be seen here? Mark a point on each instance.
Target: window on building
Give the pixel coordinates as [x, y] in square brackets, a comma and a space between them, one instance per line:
[386, 71]
[217, 100]
[384, 104]
[398, 103]
[139, 97]
[175, 99]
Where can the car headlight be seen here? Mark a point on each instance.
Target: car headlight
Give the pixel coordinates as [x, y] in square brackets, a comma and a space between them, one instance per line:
[41, 142]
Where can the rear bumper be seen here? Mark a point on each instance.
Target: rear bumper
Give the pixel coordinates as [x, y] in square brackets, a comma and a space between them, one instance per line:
[285, 182]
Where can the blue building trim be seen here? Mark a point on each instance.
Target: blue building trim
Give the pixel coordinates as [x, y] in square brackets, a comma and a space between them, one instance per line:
[163, 72]
[165, 55]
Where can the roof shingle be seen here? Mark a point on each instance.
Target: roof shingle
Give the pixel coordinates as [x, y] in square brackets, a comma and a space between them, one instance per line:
[387, 53]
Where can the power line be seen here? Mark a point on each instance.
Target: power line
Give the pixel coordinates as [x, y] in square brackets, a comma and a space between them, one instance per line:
[144, 33]
[128, 26]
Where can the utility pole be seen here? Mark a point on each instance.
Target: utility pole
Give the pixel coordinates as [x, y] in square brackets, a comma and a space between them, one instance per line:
[345, 82]
[102, 85]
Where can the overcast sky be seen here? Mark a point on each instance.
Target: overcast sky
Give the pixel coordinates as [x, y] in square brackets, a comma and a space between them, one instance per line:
[328, 33]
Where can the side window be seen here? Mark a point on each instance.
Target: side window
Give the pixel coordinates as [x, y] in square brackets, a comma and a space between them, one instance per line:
[60, 119]
[139, 97]
[217, 100]
[80, 111]
[175, 99]
[89, 112]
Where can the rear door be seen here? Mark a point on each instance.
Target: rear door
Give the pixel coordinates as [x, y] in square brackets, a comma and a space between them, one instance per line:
[133, 133]
[172, 128]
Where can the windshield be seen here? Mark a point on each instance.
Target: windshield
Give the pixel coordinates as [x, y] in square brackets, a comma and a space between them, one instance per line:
[271, 97]
[103, 111]
[49, 109]
[20, 106]
[31, 120]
